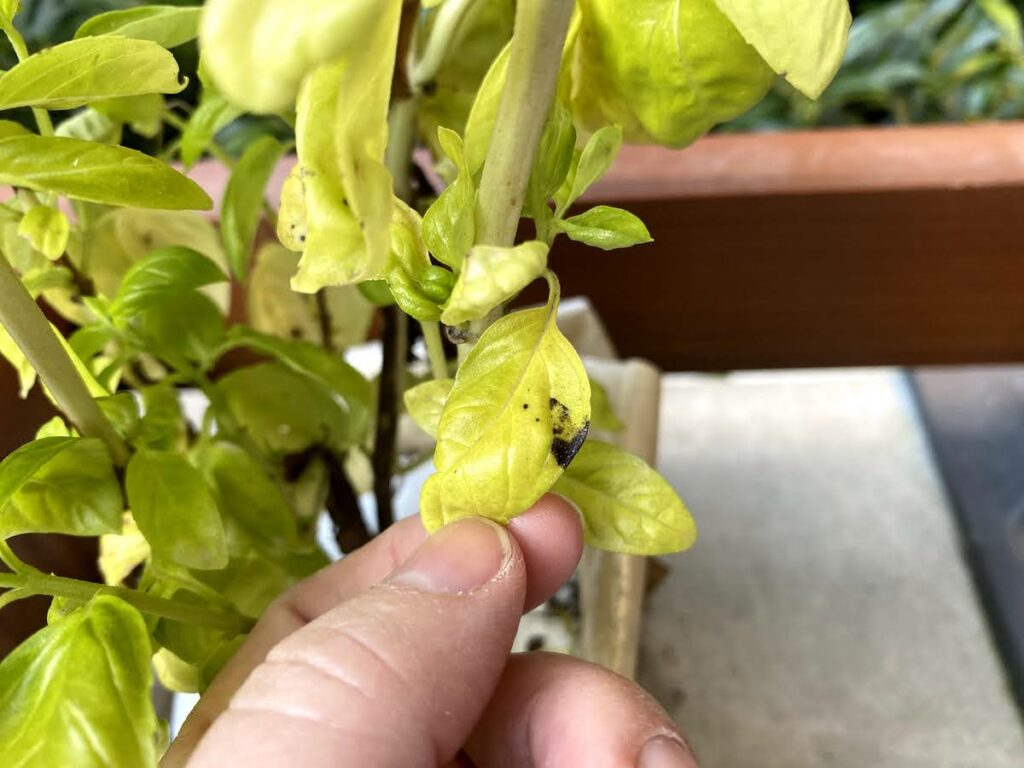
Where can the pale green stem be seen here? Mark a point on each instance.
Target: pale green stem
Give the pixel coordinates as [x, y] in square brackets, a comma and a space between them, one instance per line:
[8, 558]
[39, 583]
[435, 349]
[21, 51]
[37, 340]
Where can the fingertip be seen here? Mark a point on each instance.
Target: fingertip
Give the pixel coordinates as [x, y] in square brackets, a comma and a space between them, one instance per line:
[550, 535]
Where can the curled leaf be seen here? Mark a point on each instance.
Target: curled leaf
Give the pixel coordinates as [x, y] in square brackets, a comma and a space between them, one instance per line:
[491, 276]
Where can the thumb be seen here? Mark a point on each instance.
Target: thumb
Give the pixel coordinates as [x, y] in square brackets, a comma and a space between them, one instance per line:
[396, 676]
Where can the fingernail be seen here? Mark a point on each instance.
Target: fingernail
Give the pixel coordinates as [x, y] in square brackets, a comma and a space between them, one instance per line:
[462, 556]
[664, 752]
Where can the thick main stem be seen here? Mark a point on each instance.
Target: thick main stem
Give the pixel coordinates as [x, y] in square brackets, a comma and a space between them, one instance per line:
[32, 332]
[534, 62]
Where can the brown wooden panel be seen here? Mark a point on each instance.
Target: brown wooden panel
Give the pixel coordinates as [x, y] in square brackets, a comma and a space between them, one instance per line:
[905, 277]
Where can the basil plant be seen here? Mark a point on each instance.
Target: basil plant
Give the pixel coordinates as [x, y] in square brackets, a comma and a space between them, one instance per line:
[117, 295]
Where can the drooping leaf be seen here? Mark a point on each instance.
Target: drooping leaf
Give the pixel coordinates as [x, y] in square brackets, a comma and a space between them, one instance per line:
[243, 201]
[449, 225]
[627, 506]
[97, 173]
[175, 510]
[213, 113]
[164, 272]
[258, 51]
[491, 276]
[75, 73]
[802, 40]
[75, 492]
[606, 228]
[166, 25]
[425, 402]
[337, 203]
[78, 692]
[664, 70]
[518, 413]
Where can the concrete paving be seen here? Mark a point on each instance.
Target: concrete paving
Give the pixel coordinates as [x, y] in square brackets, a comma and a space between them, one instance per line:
[825, 617]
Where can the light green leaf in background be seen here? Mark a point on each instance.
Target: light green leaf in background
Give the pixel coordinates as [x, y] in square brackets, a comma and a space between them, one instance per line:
[185, 329]
[594, 161]
[47, 229]
[243, 201]
[665, 70]
[518, 413]
[163, 272]
[480, 124]
[77, 693]
[97, 173]
[213, 113]
[553, 162]
[425, 401]
[19, 466]
[13, 355]
[165, 25]
[449, 225]
[174, 673]
[603, 416]
[143, 113]
[75, 73]
[606, 228]
[802, 40]
[162, 426]
[9, 8]
[627, 506]
[90, 125]
[74, 492]
[175, 510]
[491, 276]
[337, 204]
[258, 51]
[1005, 16]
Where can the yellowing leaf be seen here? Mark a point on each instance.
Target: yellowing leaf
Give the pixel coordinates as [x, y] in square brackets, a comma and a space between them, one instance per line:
[417, 286]
[121, 553]
[802, 40]
[80, 71]
[665, 70]
[449, 225]
[174, 673]
[97, 173]
[480, 124]
[258, 51]
[425, 401]
[47, 229]
[491, 276]
[606, 227]
[518, 413]
[337, 202]
[627, 506]
[13, 355]
[243, 200]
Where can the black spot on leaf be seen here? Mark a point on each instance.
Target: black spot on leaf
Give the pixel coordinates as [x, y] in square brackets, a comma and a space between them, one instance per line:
[566, 440]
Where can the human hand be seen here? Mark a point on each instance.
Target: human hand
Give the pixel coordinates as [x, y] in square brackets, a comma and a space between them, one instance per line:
[399, 656]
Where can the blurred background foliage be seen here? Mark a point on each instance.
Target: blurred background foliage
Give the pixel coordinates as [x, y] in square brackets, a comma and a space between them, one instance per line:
[913, 61]
[909, 61]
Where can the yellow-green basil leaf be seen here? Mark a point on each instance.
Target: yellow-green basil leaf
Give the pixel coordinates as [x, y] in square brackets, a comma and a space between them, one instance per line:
[627, 506]
[554, 157]
[480, 124]
[518, 413]
[166, 25]
[121, 553]
[77, 693]
[606, 228]
[21, 465]
[339, 197]
[212, 114]
[449, 225]
[76, 492]
[13, 354]
[10, 128]
[143, 113]
[603, 416]
[597, 157]
[175, 510]
[75, 73]
[9, 8]
[425, 401]
[162, 426]
[91, 125]
[184, 329]
[802, 40]
[491, 276]
[336, 317]
[163, 272]
[174, 673]
[47, 229]
[665, 70]
[258, 51]
[243, 201]
[416, 285]
[97, 173]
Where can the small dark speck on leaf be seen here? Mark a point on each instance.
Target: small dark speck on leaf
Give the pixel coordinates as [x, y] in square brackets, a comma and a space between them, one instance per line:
[526, 406]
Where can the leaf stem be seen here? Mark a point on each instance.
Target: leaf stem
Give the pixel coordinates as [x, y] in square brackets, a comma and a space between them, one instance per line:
[435, 349]
[395, 345]
[73, 589]
[21, 51]
[534, 62]
[11, 560]
[33, 334]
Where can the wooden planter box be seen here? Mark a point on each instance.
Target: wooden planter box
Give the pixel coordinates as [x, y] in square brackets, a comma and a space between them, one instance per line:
[887, 246]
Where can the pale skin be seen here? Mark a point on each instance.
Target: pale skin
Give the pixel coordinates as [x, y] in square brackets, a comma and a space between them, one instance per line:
[398, 656]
